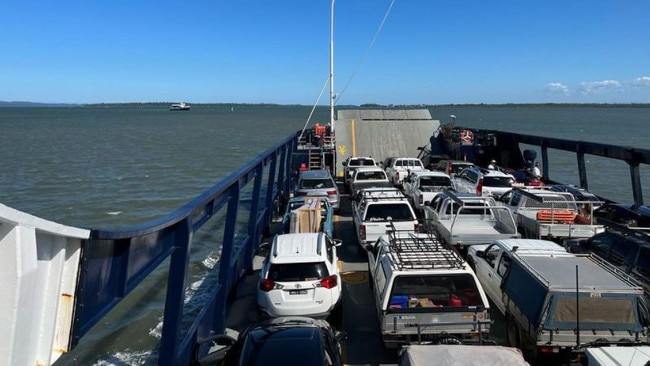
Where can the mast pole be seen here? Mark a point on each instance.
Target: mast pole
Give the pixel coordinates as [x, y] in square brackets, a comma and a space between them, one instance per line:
[332, 95]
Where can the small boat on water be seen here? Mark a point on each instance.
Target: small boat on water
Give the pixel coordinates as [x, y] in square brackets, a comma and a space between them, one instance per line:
[182, 106]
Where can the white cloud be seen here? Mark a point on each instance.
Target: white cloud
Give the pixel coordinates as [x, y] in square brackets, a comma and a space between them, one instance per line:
[590, 87]
[641, 81]
[556, 88]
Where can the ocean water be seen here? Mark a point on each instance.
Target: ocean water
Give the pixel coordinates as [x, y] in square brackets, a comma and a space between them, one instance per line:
[115, 166]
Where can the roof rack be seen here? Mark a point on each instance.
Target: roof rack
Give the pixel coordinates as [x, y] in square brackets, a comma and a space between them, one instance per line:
[421, 251]
[377, 194]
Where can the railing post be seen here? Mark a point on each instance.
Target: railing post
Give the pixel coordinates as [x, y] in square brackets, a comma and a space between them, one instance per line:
[635, 177]
[225, 261]
[175, 298]
[253, 218]
[582, 169]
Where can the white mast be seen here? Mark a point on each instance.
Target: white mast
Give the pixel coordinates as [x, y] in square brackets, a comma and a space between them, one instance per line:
[332, 95]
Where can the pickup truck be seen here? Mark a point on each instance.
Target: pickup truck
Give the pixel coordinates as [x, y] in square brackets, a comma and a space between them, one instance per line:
[398, 168]
[421, 186]
[463, 219]
[376, 211]
[545, 214]
[424, 290]
[368, 177]
[536, 285]
[351, 164]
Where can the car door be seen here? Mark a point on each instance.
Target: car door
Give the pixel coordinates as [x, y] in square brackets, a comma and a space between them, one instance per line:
[486, 271]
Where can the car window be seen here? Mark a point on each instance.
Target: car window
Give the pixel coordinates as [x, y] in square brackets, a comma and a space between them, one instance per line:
[438, 290]
[316, 183]
[297, 272]
[620, 252]
[434, 181]
[600, 244]
[392, 211]
[497, 181]
[491, 255]
[642, 266]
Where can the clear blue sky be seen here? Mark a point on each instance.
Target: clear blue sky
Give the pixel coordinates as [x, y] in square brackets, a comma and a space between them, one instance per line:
[265, 51]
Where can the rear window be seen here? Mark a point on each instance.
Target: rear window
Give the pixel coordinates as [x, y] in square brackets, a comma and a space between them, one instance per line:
[435, 291]
[389, 211]
[497, 181]
[378, 175]
[297, 272]
[362, 162]
[282, 346]
[316, 183]
[435, 182]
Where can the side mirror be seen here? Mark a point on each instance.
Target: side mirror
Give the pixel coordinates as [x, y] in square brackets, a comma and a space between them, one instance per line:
[337, 242]
[480, 254]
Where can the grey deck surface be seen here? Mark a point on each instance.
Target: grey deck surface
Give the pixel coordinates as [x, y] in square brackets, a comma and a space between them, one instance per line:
[382, 133]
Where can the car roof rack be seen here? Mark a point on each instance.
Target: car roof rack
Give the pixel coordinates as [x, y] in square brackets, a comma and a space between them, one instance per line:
[411, 250]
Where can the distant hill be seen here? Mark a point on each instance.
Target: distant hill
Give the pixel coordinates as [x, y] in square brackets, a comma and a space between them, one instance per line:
[32, 104]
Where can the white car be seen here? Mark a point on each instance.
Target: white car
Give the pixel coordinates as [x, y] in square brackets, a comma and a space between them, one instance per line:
[483, 182]
[300, 276]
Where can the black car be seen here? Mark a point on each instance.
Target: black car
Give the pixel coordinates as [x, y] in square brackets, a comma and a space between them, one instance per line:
[626, 248]
[292, 340]
[624, 214]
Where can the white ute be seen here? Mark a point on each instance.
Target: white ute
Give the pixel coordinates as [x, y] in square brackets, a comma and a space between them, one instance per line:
[425, 292]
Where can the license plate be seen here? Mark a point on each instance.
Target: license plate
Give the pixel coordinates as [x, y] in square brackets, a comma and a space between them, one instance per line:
[297, 292]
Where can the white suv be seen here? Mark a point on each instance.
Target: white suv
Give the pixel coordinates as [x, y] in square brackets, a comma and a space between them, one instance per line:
[300, 276]
[483, 182]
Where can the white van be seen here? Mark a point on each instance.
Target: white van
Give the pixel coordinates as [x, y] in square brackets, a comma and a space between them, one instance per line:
[425, 292]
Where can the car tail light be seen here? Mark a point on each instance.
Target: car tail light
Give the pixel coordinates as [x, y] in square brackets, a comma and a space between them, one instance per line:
[549, 349]
[449, 167]
[362, 232]
[331, 193]
[416, 226]
[266, 285]
[329, 282]
[479, 187]
[421, 199]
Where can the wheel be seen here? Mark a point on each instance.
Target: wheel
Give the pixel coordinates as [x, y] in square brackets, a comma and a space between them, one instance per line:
[512, 333]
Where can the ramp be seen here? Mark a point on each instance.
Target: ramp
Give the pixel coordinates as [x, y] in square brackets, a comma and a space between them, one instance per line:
[381, 133]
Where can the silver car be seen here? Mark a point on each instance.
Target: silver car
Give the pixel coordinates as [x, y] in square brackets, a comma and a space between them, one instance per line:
[318, 183]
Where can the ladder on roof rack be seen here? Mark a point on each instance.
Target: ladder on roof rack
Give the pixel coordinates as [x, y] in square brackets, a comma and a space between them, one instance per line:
[421, 251]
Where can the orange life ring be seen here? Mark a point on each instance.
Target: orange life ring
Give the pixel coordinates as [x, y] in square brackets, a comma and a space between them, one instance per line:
[467, 136]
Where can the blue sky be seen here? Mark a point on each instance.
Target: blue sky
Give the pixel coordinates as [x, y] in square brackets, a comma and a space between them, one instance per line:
[264, 51]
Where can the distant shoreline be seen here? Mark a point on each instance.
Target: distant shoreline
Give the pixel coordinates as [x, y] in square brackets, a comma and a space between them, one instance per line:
[166, 104]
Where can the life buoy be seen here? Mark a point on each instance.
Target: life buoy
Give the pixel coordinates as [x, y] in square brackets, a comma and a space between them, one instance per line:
[467, 136]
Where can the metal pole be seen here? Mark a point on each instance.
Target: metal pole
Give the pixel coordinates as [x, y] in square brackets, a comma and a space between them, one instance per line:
[332, 95]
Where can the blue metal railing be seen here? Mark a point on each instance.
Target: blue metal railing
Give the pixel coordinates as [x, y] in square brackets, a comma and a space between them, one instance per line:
[115, 261]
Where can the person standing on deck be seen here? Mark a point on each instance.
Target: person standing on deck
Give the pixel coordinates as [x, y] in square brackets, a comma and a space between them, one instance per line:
[493, 165]
[536, 171]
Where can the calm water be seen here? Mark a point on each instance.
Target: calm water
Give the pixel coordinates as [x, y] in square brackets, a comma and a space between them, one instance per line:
[108, 167]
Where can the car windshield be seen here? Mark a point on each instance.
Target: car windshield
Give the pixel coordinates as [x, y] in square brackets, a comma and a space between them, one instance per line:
[297, 272]
[316, 183]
